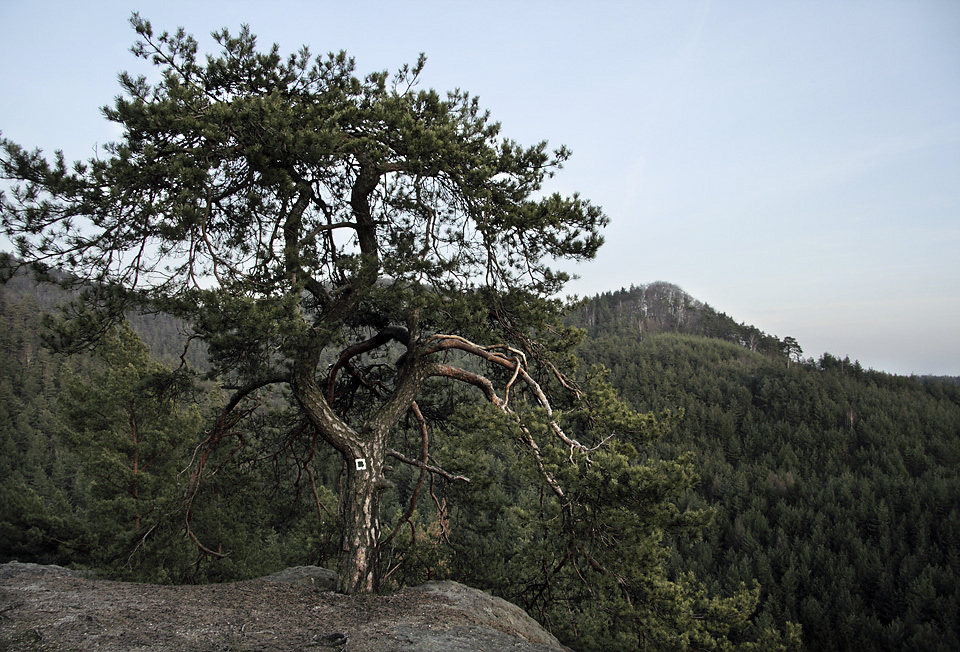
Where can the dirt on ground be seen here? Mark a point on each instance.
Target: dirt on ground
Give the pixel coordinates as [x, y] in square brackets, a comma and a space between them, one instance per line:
[52, 608]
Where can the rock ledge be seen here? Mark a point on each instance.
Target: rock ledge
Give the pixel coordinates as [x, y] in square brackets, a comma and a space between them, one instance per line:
[53, 608]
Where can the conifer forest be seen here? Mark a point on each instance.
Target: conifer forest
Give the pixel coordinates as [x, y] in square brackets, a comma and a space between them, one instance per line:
[828, 490]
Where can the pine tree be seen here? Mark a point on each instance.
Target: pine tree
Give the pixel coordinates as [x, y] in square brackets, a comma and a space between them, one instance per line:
[132, 426]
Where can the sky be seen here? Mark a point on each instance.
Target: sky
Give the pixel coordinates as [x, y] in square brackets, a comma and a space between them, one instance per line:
[794, 164]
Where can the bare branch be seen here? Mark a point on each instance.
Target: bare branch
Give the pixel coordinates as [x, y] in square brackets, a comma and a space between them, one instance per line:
[325, 227]
[429, 467]
[493, 354]
[487, 387]
[202, 547]
[424, 456]
[244, 390]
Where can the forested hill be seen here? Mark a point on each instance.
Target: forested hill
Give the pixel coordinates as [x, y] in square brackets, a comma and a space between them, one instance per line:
[838, 488]
[645, 310]
[163, 334]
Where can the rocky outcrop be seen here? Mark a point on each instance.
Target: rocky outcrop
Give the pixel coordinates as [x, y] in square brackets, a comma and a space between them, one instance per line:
[478, 621]
[48, 607]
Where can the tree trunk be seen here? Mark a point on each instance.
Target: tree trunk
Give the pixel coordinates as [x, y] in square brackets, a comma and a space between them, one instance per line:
[364, 451]
[360, 516]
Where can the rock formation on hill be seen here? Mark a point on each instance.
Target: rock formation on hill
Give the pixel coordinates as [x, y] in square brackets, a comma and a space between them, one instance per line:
[52, 608]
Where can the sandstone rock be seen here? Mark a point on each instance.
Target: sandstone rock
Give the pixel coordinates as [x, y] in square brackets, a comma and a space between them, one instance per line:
[473, 621]
[315, 576]
[486, 611]
[48, 607]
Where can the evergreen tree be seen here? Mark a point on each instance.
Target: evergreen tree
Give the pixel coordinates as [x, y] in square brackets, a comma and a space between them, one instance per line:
[835, 487]
[132, 425]
[347, 239]
[37, 471]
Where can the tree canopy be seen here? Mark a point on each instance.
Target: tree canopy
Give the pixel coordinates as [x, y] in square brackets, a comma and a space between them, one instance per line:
[343, 237]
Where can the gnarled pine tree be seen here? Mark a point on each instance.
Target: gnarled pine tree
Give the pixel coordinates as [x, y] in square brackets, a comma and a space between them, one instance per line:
[348, 239]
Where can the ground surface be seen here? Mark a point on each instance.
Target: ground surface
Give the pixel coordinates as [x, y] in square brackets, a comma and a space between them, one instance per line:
[51, 608]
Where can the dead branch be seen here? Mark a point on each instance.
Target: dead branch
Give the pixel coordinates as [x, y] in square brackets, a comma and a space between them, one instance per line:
[436, 470]
[486, 386]
[517, 364]
[202, 547]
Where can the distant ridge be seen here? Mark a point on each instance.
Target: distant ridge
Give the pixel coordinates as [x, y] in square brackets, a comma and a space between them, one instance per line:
[661, 307]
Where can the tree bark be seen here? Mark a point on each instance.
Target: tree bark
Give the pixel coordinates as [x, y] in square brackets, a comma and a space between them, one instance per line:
[364, 454]
[359, 559]
[359, 568]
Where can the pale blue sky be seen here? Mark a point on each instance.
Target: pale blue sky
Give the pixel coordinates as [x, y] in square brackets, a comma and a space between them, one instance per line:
[793, 164]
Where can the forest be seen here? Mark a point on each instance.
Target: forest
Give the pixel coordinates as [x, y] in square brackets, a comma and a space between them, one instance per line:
[836, 487]
[830, 491]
